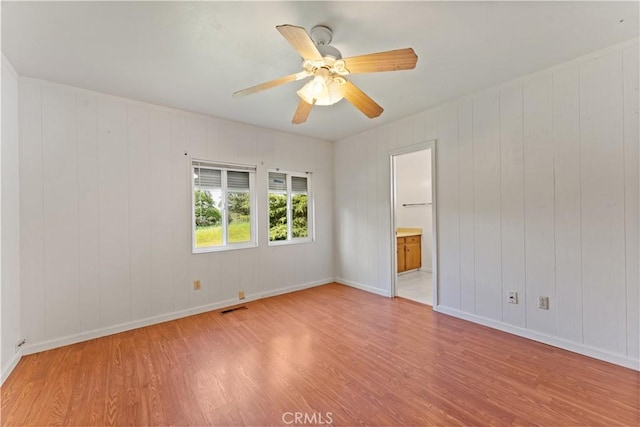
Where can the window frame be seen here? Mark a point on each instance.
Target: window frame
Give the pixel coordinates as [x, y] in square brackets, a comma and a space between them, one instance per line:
[225, 167]
[289, 193]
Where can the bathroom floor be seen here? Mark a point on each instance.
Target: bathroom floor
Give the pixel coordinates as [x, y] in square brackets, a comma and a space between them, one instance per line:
[416, 286]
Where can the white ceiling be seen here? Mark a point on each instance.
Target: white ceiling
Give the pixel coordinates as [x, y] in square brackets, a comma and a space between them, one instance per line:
[194, 55]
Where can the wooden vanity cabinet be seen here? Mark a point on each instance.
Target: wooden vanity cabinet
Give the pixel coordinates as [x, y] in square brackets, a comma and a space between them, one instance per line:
[409, 253]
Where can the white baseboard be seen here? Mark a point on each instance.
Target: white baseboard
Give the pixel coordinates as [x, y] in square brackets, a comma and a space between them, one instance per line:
[127, 326]
[371, 289]
[6, 371]
[291, 289]
[572, 346]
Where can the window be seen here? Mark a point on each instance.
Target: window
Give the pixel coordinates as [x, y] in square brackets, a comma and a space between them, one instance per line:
[289, 207]
[223, 206]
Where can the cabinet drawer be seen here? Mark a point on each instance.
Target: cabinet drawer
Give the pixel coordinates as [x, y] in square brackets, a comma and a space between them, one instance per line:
[413, 239]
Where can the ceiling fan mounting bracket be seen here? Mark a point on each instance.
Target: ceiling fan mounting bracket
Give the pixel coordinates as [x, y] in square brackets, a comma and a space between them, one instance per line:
[321, 35]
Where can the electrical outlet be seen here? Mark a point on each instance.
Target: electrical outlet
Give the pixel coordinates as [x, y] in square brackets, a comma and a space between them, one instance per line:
[543, 303]
[513, 297]
[196, 285]
[241, 295]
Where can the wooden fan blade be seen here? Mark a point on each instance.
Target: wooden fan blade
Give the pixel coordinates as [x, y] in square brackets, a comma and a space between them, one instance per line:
[271, 84]
[301, 41]
[301, 114]
[392, 60]
[361, 100]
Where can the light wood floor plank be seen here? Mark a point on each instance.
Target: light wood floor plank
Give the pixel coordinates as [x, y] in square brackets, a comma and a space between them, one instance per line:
[363, 358]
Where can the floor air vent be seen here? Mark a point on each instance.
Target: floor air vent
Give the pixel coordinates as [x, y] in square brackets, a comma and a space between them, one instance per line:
[231, 310]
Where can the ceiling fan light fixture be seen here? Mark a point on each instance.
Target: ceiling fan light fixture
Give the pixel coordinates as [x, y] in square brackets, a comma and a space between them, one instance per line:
[324, 90]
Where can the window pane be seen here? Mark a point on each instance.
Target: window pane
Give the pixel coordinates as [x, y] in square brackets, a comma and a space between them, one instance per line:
[222, 200]
[277, 216]
[300, 219]
[239, 216]
[208, 217]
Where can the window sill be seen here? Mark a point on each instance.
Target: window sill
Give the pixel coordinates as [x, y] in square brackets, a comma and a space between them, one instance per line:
[290, 242]
[233, 247]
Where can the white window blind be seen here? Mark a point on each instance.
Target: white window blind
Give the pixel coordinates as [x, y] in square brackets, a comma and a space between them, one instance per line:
[298, 185]
[277, 182]
[238, 180]
[206, 179]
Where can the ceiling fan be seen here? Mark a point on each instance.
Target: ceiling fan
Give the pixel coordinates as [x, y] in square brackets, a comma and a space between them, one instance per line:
[327, 67]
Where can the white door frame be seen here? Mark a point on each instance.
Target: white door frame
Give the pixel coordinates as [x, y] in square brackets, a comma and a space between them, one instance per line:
[427, 145]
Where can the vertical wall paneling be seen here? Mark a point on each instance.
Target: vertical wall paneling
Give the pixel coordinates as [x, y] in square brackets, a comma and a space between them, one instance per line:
[512, 204]
[180, 213]
[198, 148]
[140, 210]
[347, 208]
[430, 126]
[88, 212]
[568, 239]
[448, 206]
[227, 278]
[113, 185]
[248, 280]
[418, 128]
[383, 171]
[538, 192]
[405, 133]
[197, 143]
[632, 208]
[11, 330]
[486, 190]
[539, 202]
[467, 201]
[362, 226]
[372, 210]
[60, 210]
[603, 213]
[32, 316]
[223, 143]
[324, 228]
[106, 227]
[340, 171]
[160, 215]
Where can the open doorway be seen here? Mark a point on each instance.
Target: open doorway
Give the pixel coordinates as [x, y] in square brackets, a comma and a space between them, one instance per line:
[413, 223]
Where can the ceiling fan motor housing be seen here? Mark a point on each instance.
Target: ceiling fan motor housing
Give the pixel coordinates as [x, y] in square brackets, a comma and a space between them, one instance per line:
[326, 50]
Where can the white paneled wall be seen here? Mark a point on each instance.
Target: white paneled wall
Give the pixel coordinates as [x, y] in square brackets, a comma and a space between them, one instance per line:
[537, 192]
[9, 225]
[105, 214]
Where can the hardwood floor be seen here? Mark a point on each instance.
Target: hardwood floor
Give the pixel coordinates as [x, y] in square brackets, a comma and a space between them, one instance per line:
[326, 355]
